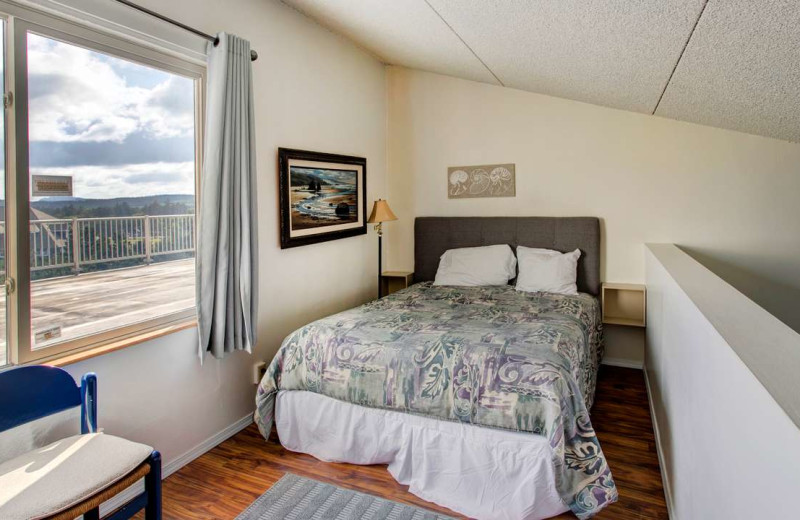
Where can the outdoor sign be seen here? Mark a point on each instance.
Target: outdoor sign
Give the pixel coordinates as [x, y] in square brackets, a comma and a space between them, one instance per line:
[48, 334]
[52, 185]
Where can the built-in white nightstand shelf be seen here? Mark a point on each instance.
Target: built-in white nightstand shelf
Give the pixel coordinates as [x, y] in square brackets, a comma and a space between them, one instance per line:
[393, 281]
[624, 304]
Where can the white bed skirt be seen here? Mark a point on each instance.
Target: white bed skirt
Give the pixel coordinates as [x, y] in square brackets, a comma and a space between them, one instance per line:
[482, 473]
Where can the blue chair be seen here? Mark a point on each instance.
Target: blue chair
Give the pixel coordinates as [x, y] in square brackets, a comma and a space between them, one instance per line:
[72, 476]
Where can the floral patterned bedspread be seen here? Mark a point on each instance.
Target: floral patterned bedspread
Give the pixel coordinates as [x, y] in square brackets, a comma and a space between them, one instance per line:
[489, 356]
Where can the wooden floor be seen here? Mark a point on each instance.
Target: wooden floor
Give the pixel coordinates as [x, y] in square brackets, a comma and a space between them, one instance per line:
[93, 302]
[224, 481]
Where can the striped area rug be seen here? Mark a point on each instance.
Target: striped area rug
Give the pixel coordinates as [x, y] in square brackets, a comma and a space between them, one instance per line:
[298, 498]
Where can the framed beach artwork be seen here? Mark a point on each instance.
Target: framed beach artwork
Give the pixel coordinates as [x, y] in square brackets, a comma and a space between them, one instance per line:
[322, 196]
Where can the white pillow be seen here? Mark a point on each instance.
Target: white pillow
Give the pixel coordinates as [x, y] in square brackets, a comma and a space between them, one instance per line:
[545, 270]
[472, 266]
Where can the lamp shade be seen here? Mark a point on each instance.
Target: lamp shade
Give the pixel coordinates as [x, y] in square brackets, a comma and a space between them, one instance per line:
[381, 212]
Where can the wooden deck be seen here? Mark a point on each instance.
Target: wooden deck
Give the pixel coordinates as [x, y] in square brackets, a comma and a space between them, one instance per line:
[94, 302]
[223, 482]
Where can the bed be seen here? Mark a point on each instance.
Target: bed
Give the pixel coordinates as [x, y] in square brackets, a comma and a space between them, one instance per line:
[477, 398]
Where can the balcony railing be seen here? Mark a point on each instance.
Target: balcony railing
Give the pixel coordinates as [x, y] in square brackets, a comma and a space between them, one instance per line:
[61, 243]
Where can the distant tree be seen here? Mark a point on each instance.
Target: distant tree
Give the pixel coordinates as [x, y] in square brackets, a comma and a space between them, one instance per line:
[123, 209]
[102, 211]
[68, 211]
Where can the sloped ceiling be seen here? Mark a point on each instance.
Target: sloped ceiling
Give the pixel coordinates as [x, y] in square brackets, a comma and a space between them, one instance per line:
[741, 69]
[728, 63]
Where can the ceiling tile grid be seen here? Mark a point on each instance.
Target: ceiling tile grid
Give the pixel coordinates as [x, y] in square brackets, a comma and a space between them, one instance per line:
[727, 63]
[741, 69]
[399, 32]
[613, 53]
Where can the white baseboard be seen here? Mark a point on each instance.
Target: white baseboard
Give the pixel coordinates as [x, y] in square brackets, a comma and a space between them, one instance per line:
[622, 362]
[662, 467]
[174, 465]
[216, 439]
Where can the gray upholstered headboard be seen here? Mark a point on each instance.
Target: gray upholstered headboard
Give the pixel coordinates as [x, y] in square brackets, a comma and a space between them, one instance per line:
[435, 235]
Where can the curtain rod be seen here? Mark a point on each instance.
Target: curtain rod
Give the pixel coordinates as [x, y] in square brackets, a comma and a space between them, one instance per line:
[253, 54]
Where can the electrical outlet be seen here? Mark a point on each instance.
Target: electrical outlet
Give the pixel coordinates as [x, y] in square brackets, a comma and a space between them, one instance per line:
[259, 369]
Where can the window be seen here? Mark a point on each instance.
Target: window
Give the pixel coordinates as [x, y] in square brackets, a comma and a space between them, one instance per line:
[100, 233]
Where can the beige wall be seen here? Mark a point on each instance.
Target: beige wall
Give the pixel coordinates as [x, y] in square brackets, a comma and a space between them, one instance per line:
[730, 196]
[315, 91]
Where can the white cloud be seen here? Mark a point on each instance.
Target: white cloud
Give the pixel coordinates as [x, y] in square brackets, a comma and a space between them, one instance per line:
[168, 109]
[81, 95]
[133, 180]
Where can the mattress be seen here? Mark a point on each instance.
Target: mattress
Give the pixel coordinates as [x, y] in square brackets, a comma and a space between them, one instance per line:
[489, 357]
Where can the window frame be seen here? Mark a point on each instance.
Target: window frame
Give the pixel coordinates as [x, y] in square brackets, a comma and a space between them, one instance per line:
[19, 22]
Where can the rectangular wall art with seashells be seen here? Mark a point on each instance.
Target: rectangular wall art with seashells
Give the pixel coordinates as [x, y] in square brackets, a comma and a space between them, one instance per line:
[491, 180]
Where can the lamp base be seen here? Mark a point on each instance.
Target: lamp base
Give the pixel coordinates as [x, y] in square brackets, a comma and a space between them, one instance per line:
[380, 262]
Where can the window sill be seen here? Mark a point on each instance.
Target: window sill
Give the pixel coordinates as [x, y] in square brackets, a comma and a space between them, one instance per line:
[119, 344]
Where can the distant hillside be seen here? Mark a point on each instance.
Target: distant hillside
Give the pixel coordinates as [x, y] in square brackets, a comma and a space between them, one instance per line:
[135, 202]
[68, 207]
[61, 199]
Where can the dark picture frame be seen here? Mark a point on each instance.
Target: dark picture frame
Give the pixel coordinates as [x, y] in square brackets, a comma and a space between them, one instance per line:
[322, 196]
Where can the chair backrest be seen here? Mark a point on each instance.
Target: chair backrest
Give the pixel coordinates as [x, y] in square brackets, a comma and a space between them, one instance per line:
[32, 392]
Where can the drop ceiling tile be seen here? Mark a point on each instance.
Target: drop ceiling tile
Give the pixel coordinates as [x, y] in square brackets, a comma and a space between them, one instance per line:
[741, 69]
[617, 53]
[399, 32]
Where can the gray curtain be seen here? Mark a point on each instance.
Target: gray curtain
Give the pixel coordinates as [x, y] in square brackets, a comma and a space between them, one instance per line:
[227, 251]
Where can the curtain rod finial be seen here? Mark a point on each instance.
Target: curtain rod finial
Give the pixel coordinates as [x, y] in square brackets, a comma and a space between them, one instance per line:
[253, 54]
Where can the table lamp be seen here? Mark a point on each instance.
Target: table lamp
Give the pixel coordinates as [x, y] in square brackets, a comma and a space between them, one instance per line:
[381, 212]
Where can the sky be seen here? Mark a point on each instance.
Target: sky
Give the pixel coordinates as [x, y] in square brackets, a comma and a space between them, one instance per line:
[120, 129]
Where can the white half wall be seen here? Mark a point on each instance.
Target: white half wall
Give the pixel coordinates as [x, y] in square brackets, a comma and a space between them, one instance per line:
[729, 196]
[728, 450]
[315, 91]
